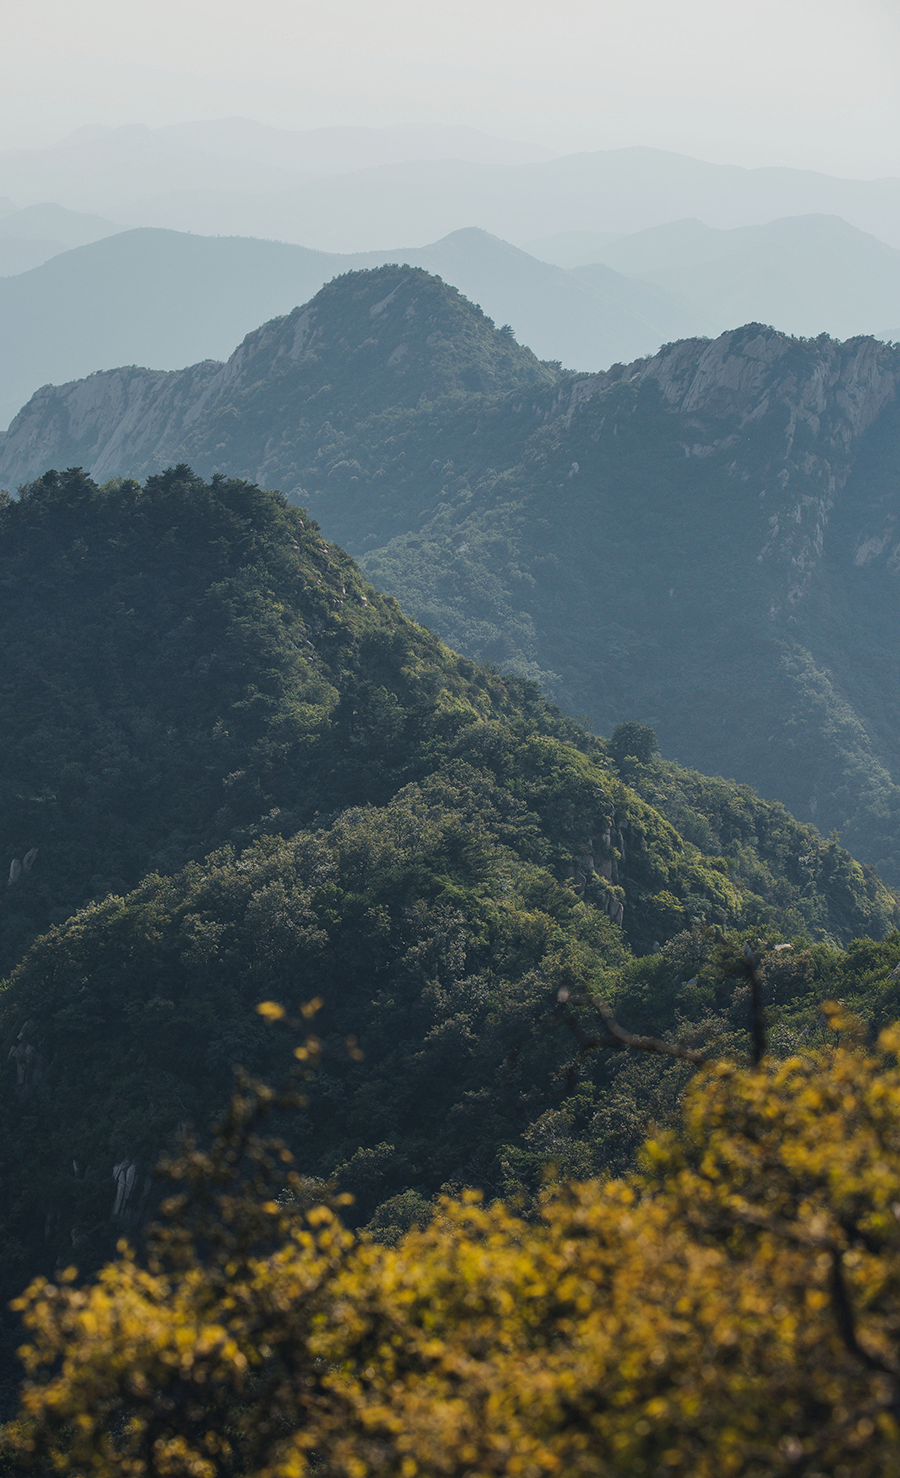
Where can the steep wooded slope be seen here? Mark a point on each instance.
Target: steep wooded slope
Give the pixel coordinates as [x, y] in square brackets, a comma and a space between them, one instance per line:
[187, 665]
[703, 539]
[330, 803]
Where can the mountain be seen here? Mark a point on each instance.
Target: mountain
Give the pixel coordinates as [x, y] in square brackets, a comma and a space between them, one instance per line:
[581, 319]
[617, 191]
[68, 227]
[703, 540]
[371, 343]
[31, 236]
[165, 299]
[20, 255]
[356, 190]
[575, 248]
[807, 274]
[150, 297]
[103, 168]
[261, 781]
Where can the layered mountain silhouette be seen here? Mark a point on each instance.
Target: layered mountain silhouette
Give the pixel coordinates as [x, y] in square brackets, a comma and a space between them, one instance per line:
[705, 539]
[33, 235]
[130, 163]
[164, 299]
[806, 274]
[236, 771]
[354, 190]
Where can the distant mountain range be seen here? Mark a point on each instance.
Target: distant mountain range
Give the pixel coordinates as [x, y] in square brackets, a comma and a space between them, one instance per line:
[805, 274]
[33, 235]
[706, 540]
[361, 189]
[164, 299]
[131, 162]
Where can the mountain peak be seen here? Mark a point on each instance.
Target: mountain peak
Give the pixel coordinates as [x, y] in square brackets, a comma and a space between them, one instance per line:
[407, 333]
[390, 337]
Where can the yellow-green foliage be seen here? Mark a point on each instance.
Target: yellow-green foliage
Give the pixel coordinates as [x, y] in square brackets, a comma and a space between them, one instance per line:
[734, 1309]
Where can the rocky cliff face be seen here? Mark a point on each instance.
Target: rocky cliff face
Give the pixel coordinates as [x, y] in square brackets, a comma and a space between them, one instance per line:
[815, 399]
[112, 421]
[822, 395]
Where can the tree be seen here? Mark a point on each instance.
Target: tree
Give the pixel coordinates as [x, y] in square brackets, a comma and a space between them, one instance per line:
[733, 1309]
[633, 740]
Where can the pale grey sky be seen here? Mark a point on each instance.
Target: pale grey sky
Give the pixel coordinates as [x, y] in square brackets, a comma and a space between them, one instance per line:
[795, 82]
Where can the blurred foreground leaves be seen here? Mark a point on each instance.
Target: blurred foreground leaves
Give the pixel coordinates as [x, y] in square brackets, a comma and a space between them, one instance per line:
[733, 1308]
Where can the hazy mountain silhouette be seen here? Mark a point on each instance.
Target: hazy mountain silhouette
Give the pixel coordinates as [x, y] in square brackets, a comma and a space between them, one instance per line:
[31, 236]
[806, 274]
[352, 190]
[104, 168]
[623, 190]
[165, 299]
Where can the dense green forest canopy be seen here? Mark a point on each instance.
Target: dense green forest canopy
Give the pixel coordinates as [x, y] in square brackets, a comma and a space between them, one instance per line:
[248, 776]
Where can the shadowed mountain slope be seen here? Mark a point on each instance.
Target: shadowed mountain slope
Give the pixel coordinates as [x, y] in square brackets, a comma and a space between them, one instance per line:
[705, 540]
[330, 803]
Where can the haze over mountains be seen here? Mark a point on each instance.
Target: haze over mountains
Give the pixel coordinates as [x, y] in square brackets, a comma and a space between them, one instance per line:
[645, 246]
[164, 299]
[360, 189]
[582, 298]
[234, 771]
[36, 233]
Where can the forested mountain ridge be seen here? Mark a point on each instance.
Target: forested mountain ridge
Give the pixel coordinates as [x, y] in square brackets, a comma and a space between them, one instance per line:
[330, 803]
[704, 539]
[367, 343]
[189, 664]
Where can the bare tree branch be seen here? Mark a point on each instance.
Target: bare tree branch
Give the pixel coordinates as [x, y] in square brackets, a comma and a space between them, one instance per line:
[616, 1037]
